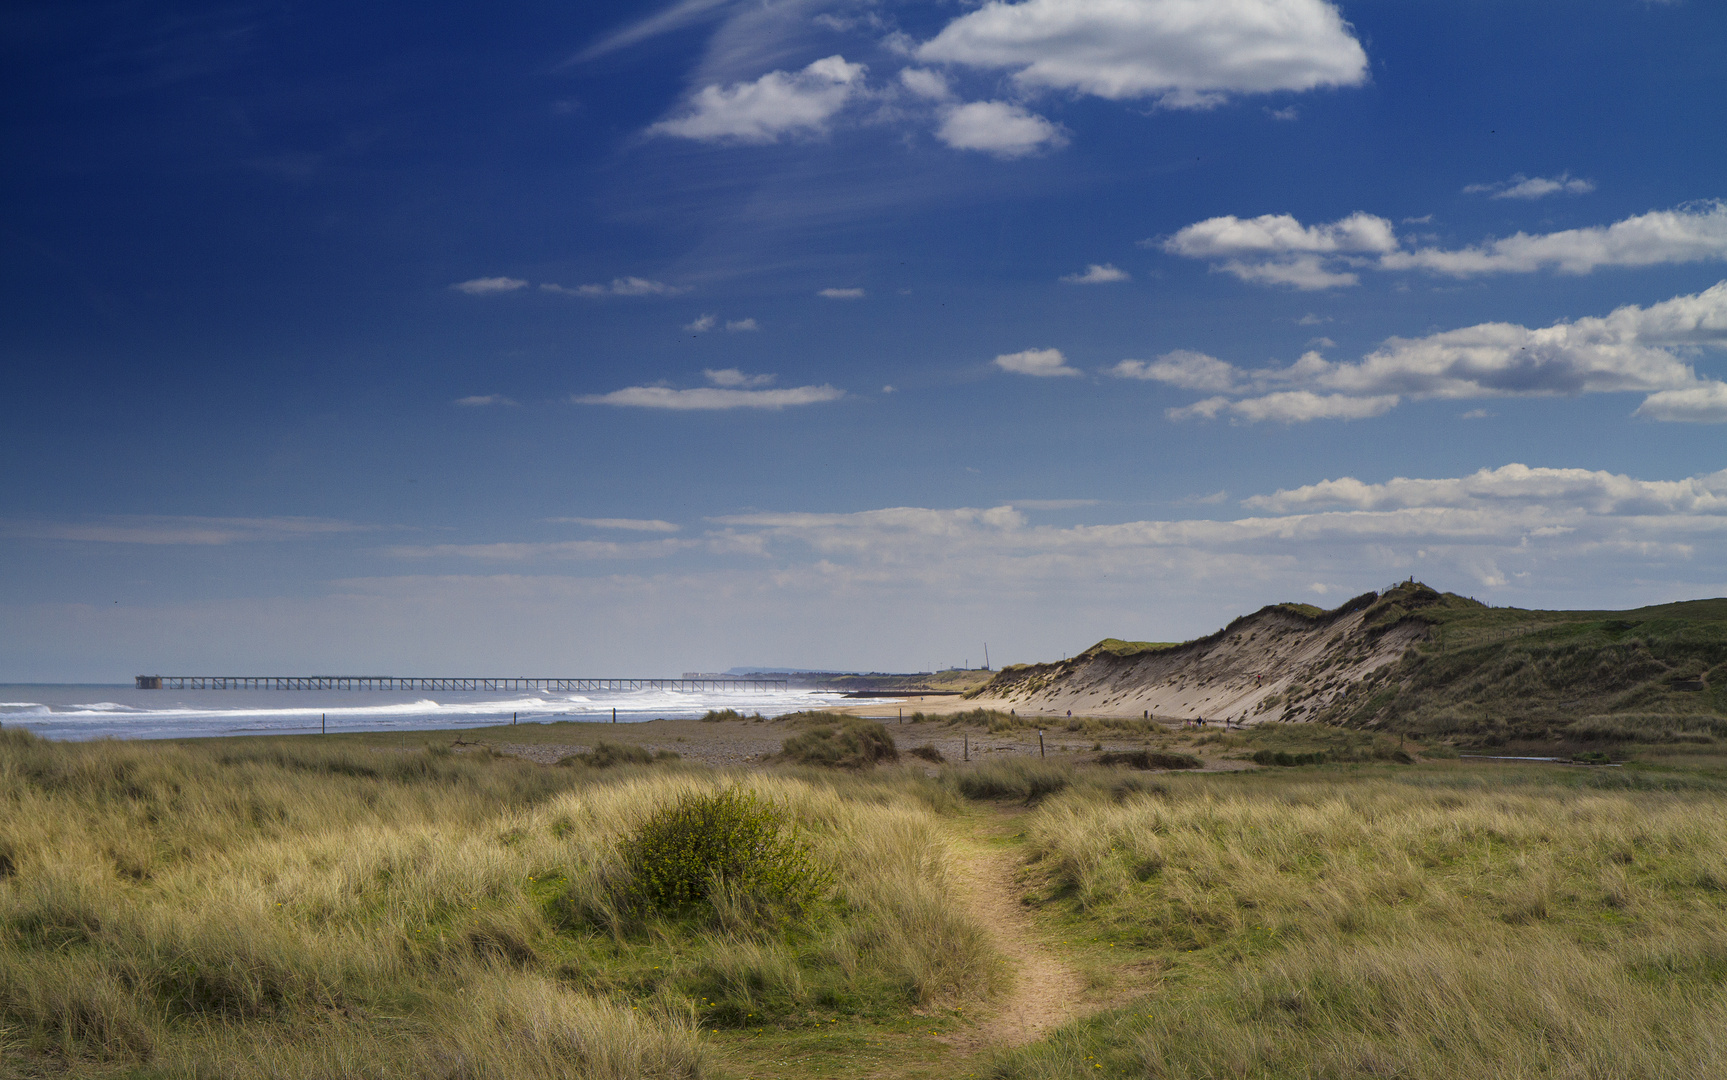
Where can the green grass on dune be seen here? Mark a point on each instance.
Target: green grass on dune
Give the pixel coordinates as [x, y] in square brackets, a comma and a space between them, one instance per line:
[1496, 675]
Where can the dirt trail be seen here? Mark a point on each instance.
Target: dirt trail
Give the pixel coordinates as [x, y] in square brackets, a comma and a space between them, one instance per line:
[1046, 991]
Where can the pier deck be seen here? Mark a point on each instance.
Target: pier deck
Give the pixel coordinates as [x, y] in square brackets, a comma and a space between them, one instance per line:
[424, 682]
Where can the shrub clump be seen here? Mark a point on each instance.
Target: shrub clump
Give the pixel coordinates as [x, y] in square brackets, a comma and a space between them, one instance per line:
[928, 753]
[606, 754]
[730, 849]
[852, 743]
[1150, 759]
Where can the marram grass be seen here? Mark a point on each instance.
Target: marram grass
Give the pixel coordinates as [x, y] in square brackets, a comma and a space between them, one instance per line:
[1363, 926]
[284, 910]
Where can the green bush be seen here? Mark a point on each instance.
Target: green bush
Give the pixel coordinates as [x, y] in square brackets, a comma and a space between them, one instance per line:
[1150, 759]
[606, 754]
[928, 753]
[729, 848]
[852, 743]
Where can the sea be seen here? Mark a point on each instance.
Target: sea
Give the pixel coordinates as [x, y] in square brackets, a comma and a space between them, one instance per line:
[105, 711]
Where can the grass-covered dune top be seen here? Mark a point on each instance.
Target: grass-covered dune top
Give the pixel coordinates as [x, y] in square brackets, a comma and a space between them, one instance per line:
[1416, 659]
[1489, 675]
[283, 909]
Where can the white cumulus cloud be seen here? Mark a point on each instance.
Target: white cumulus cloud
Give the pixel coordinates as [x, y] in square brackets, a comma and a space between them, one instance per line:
[1184, 368]
[931, 85]
[1630, 350]
[741, 325]
[487, 286]
[1694, 233]
[701, 324]
[1705, 404]
[1288, 407]
[1183, 53]
[1035, 362]
[778, 104]
[999, 128]
[1277, 249]
[1098, 274]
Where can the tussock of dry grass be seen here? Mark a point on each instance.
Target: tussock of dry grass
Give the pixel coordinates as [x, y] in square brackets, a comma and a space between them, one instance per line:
[283, 910]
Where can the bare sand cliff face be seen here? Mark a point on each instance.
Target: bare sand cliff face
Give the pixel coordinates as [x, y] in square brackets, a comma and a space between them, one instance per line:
[1284, 662]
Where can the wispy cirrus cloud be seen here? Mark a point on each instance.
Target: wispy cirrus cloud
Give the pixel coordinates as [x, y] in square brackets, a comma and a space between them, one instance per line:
[712, 398]
[476, 401]
[489, 286]
[628, 524]
[1098, 274]
[841, 294]
[586, 550]
[1532, 187]
[734, 377]
[621, 286]
[197, 531]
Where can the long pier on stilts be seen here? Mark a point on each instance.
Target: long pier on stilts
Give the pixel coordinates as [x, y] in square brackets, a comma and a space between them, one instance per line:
[425, 682]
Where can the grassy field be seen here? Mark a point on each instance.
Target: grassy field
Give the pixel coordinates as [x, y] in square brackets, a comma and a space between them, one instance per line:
[364, 907]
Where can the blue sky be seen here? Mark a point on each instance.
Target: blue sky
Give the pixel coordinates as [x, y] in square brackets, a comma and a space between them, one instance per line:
[635, 339]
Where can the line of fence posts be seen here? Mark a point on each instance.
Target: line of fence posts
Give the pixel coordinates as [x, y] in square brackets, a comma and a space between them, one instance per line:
[1040, 752]
[323, 723]
[965, 741]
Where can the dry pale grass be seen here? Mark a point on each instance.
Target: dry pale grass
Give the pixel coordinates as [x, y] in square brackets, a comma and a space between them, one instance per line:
[273, 911]
[1363, 927]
